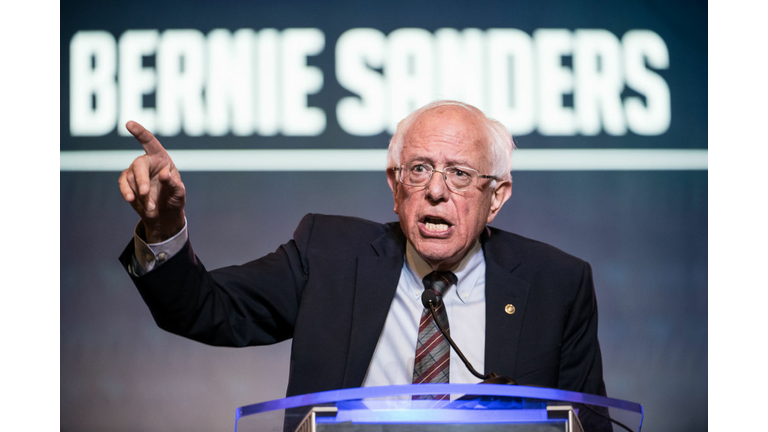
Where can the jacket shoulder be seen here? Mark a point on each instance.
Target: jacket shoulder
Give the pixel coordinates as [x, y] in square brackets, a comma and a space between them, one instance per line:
[507, 247]
[346, 231]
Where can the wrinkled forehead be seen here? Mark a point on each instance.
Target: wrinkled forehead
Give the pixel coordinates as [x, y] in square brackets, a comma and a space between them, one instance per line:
[452, 129]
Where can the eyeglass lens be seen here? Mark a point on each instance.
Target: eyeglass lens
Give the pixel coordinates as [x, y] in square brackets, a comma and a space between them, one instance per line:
[456, 178]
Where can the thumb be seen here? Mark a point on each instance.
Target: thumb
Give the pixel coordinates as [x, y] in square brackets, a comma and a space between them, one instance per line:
[173, 188]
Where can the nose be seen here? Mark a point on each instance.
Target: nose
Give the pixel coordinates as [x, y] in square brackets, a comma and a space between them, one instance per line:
[437, 189]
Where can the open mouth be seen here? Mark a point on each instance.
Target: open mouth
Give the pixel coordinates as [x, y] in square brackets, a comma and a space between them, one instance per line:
[435, 224]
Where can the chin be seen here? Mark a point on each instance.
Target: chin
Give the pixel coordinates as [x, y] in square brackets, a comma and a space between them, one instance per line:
[438, 256]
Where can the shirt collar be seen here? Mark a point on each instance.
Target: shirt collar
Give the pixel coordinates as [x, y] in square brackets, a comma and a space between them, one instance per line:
[466, 270]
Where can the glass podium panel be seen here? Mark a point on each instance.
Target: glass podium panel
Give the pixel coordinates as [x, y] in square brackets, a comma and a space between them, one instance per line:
[471, 407]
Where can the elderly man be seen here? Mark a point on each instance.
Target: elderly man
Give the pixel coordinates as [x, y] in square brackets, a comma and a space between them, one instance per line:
[348, 290]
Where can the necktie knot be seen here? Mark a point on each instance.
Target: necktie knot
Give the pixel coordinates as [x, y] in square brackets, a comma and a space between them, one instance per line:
[439, 282]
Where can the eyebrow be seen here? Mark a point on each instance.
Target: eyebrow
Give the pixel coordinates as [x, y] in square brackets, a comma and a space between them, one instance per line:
[448, 163]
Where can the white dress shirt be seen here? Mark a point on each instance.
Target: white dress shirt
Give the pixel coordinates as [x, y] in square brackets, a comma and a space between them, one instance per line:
[147, 256]
[395, 353]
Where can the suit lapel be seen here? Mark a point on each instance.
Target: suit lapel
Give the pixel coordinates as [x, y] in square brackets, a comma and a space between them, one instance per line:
[378, 275]
[375, 286]
[502, 328]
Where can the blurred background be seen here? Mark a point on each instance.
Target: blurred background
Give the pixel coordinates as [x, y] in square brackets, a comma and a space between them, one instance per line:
[607, 102]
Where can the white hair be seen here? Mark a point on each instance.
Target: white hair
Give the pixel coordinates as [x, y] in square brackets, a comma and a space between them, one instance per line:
[499, 138]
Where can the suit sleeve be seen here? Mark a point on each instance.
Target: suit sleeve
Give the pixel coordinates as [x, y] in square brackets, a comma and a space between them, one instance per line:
[253, 304]
[581, 365]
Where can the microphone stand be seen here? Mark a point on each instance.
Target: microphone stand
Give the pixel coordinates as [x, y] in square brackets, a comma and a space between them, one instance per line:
[428, 299]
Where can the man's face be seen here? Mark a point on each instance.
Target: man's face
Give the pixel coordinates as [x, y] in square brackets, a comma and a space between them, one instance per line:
[442, 224]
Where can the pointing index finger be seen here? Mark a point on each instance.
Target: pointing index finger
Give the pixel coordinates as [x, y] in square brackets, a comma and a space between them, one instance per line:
[151, 145]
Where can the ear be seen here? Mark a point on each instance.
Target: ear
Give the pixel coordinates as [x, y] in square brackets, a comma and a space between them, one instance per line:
[501, 194]
[393, 184]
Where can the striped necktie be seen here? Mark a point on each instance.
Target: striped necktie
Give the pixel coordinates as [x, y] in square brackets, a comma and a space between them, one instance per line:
[433, 352]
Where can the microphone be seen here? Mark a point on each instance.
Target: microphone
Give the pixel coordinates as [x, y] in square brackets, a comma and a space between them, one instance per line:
[429, 300]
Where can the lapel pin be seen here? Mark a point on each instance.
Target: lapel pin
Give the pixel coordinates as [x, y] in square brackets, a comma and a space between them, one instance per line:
[510, 309]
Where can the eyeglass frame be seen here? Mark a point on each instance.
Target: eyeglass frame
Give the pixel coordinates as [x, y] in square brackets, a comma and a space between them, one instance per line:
[401, 170]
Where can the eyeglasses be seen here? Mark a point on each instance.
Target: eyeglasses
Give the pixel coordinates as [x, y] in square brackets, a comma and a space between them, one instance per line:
[456, 178]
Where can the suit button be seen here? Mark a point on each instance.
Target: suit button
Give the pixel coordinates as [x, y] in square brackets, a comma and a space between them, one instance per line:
[510, 309]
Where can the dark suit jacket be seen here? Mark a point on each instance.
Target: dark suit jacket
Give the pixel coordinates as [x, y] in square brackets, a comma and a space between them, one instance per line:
[330, 289]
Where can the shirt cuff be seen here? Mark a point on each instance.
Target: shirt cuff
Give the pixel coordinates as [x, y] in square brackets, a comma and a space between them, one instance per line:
[149, 256]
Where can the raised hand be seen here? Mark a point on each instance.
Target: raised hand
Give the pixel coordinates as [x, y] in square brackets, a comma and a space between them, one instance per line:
[153, 187]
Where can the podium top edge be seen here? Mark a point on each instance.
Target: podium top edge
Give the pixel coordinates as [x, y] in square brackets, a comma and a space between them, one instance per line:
[497, 390]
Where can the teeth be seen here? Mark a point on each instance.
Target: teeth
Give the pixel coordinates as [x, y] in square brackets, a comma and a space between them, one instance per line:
[436, 227]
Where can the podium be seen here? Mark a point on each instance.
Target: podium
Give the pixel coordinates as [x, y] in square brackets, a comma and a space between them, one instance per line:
[471, 407]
